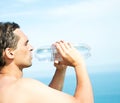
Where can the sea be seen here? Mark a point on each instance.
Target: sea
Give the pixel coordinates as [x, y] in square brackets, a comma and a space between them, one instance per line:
[105, 82]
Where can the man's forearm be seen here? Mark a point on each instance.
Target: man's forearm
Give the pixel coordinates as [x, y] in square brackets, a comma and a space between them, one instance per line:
[84, 89]
[58, 79]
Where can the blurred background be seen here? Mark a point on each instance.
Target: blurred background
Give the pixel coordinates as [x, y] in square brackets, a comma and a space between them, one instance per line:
[94, 22]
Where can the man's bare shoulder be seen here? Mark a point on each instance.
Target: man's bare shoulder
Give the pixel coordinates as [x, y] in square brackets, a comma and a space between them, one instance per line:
[28, 90]
[38, 92]
[27, 81]
[30, 84]
[21, 91]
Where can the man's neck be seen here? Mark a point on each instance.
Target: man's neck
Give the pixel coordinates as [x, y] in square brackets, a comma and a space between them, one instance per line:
[11, 72]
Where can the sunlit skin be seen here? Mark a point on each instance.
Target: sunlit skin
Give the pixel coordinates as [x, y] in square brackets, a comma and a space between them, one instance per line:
[15, 89]
[23, 53]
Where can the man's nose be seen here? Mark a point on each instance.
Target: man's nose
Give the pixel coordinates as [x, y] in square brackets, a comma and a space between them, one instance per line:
[31, 48]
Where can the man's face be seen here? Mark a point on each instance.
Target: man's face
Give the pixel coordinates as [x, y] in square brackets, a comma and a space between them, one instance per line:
[23, 52]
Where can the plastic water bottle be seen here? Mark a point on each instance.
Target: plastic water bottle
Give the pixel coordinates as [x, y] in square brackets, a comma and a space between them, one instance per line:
[48, 53]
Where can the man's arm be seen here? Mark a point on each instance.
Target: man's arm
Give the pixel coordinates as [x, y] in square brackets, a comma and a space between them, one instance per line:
[84, 89]
[73, 58]
[58, 78]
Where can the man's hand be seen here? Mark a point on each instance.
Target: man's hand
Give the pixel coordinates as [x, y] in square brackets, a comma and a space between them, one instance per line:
[59, 66]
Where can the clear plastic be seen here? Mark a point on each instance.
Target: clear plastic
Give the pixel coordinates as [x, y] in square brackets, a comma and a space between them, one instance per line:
[48, 53]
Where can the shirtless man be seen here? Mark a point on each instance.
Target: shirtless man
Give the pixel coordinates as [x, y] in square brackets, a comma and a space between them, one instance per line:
[16, 54]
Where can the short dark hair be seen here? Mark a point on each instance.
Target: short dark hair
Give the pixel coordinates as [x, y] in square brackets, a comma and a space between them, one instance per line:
[7, 38]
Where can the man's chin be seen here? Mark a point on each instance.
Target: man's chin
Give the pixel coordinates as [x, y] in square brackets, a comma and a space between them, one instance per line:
[28, 66]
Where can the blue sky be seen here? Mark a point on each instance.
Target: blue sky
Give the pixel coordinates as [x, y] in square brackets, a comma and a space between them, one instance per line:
[94, 22]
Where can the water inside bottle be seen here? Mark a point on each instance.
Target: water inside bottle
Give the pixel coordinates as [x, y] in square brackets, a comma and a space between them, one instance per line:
[84, 49]
[43, 53]
[48, 53]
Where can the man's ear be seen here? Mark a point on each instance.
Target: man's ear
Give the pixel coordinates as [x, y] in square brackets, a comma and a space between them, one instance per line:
[9, 53]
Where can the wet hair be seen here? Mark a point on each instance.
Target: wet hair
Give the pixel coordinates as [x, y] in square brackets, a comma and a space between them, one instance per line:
[7, 38]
